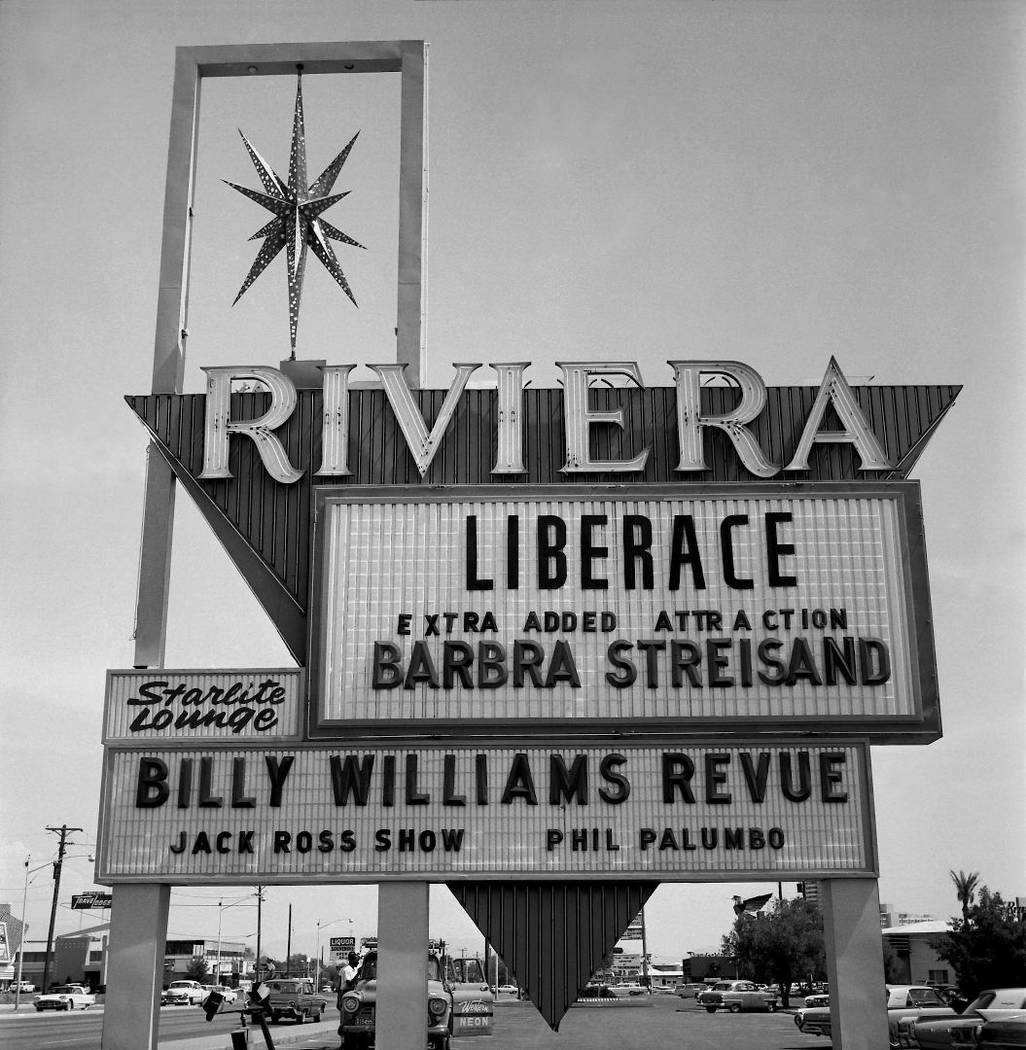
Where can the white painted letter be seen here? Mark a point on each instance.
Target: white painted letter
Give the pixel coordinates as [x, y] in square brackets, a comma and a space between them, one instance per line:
[218, 426]
[335, 424]
[509, 456]
[421, 444]
[690, 421]
[579, 419]
[835, 390]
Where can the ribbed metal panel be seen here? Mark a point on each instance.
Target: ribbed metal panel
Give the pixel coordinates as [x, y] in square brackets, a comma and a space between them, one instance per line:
[552, 935]
[274, 519]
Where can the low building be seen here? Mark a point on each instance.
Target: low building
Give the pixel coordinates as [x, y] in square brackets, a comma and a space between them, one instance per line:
[913, 946]
[226, 960]
[10, 945]
[81, 958]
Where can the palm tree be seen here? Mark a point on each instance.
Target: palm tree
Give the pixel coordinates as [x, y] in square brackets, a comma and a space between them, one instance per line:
[965, 888]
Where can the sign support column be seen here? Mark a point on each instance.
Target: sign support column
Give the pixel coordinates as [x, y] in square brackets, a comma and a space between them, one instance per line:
[402, 965]
[854, 953]
[135, 966]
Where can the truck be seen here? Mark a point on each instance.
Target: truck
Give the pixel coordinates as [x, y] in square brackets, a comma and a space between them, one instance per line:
[295, 998]
[459, 1002]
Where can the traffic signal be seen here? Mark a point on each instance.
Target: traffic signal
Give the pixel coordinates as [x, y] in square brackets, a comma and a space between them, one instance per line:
[212, 1004]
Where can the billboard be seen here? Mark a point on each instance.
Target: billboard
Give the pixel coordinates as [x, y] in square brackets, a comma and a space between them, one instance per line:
[790, 608]
[340, 947]
[677, 811]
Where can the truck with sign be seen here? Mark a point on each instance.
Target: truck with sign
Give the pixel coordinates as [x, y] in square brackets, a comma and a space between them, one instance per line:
[459, 1002]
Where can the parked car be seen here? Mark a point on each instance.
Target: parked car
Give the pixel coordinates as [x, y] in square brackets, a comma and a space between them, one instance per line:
[508, 989]
[818, 999]
[736, 996]
[295, 998]
[1002, 1033]
[903, 1000]
[25, 986]
[184, 993]
[65, 997]
[937, 1033]
[689, 991]
[229, 995]
[627, 990]
[357, 1006]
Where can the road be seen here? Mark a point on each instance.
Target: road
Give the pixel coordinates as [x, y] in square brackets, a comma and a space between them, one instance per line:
[666, 1023]
[81, 1030]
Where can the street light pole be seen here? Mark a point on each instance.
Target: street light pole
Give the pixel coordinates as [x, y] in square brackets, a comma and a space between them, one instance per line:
[24, 930]
[217, 963]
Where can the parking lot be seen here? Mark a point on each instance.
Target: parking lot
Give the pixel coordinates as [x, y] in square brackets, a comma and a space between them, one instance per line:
[665, 1022]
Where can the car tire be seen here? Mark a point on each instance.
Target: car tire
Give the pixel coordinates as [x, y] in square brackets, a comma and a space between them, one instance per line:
[39, 1009]
[734, 1008]
[772, 1007]
[711, 1009]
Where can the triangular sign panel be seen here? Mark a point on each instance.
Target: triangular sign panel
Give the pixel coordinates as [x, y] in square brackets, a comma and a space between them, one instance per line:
[552, 935]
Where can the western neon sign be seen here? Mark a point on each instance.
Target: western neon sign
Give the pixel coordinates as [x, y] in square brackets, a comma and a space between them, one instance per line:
[581, 419]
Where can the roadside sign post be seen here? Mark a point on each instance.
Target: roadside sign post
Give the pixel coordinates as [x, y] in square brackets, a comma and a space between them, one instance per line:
[653, 630]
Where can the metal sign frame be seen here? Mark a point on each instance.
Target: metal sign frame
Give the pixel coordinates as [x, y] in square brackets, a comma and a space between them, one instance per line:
[192, 64]
[921, 726]
[231, 841]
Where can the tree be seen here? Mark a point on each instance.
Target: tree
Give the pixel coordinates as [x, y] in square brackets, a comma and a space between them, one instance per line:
[298, 964]
[965, 888]
[197, 970]
[784, 944]
[987, 946]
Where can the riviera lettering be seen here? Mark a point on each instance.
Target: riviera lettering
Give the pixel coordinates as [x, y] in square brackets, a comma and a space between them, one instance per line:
[580, 419]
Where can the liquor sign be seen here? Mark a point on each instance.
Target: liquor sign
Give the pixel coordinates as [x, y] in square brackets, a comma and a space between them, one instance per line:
[340, 947]
[536, 613]
[326, 814]
[5, 947]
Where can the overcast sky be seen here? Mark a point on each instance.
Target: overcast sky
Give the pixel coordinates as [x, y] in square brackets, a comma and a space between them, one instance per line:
[768, 182]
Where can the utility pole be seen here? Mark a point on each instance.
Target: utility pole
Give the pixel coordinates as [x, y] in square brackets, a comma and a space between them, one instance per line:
[260, 901]
[288, 946]
[64, 831]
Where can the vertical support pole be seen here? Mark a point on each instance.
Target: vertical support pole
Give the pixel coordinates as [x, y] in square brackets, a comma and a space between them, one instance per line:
[135, 966]
[854, 952]
[402, 966]
[168, 360]
[413, 197]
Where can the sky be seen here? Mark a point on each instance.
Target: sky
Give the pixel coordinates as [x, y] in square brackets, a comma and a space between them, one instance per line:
[773, 183]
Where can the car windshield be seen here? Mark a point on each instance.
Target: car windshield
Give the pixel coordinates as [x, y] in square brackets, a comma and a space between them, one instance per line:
[368, 970]
[924, 997]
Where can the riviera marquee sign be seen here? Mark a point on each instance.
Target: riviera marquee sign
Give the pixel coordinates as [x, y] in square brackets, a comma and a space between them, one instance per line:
[628, 632]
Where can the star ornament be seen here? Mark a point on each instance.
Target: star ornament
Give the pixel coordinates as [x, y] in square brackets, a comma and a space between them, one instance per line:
[298, 224]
